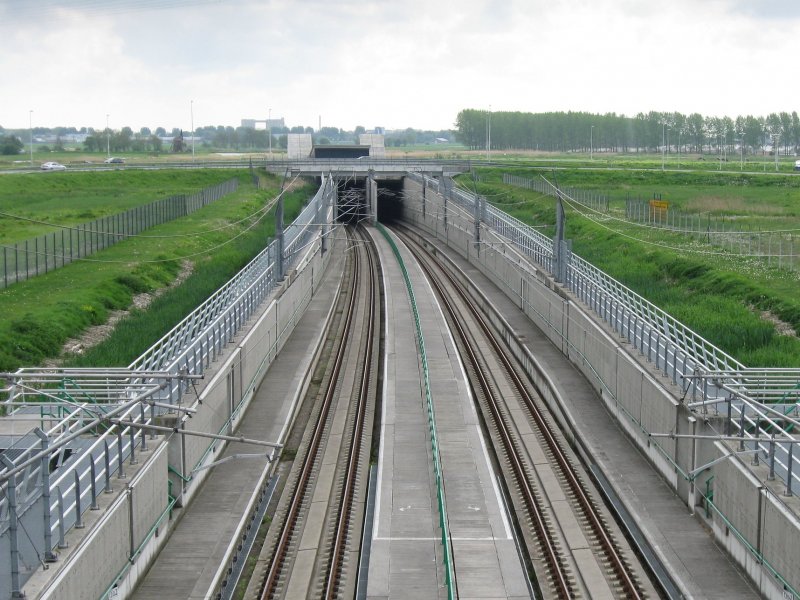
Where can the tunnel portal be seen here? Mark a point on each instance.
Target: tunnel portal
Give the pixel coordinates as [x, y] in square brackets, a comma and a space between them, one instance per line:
[353, 205]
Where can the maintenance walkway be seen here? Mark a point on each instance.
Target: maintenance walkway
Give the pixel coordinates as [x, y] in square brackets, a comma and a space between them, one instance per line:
[190, 563]
[406, 559]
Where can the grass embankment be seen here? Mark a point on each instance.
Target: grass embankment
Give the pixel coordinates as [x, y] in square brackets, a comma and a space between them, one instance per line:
[65, 198]
[728, 300]
[39, 315]
[707, 162]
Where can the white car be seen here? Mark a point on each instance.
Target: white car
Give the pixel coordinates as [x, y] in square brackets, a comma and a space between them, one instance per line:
[53, 166]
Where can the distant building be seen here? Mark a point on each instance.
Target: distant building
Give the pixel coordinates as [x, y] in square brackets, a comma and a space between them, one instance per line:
[269, 124]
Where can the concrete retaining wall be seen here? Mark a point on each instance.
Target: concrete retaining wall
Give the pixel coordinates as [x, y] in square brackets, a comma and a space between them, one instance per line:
[94, 561]
[642, 400]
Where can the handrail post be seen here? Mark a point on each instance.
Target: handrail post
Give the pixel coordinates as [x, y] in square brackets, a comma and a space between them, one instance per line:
[93, 469]
[771, 476]
[78, 508]
[107, 458]
[120, 458]
[61, 543]
[11, 493]
[49, 556]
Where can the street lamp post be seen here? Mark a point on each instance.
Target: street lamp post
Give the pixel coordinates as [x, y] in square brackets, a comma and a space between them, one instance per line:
[663, 144]
[488, 132]
[108, 139]
[741, 154]
[591, 143]
[30, 128]
[725, 147]
[269, 130]
[191, 116]
[667, 138]
[776, 137]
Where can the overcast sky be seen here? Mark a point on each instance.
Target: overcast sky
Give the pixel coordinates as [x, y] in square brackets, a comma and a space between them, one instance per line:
[391, 63]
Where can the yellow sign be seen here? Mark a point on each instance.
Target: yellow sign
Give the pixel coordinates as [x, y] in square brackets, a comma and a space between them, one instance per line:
[658, 210]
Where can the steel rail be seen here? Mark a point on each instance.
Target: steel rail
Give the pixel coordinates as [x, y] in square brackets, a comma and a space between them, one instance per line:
[282, 547]
[576, 487]
[545, 535]
[566, 468]
[345, 508]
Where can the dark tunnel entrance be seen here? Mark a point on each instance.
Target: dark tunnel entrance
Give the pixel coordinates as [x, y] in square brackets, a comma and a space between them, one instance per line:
[352, 205]
[390, 198]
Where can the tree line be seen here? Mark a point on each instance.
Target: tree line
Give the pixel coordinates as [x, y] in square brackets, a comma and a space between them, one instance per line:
[219, 137]
[650, 132]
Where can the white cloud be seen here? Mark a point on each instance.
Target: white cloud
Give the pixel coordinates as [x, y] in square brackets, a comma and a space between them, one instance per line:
[393, 63]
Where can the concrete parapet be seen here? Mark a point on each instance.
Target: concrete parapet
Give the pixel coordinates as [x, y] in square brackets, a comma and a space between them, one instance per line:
[757, 523]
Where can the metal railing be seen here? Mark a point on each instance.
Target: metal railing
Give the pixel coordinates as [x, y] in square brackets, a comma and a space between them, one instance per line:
[74, 404]
[366, 164]
[765, 400]
[197, 340]
[83, 445]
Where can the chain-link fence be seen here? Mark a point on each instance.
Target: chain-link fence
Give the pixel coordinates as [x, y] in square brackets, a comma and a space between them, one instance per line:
[22, 260]
[779, 249]
[594, 200]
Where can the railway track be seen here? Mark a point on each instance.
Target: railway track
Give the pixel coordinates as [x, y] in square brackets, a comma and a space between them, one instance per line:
[574, 548]
[312, 545]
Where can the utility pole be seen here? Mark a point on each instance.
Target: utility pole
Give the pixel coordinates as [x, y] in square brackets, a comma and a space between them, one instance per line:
[269, 130]
[591, 143]
[108, 138]
[488, 132]
[741, 154]
[776, 137]
[30, 128]
[191, 115]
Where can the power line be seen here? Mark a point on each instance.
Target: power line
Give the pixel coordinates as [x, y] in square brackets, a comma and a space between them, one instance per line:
[684, 249]
[174, 258]
[252, 215]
